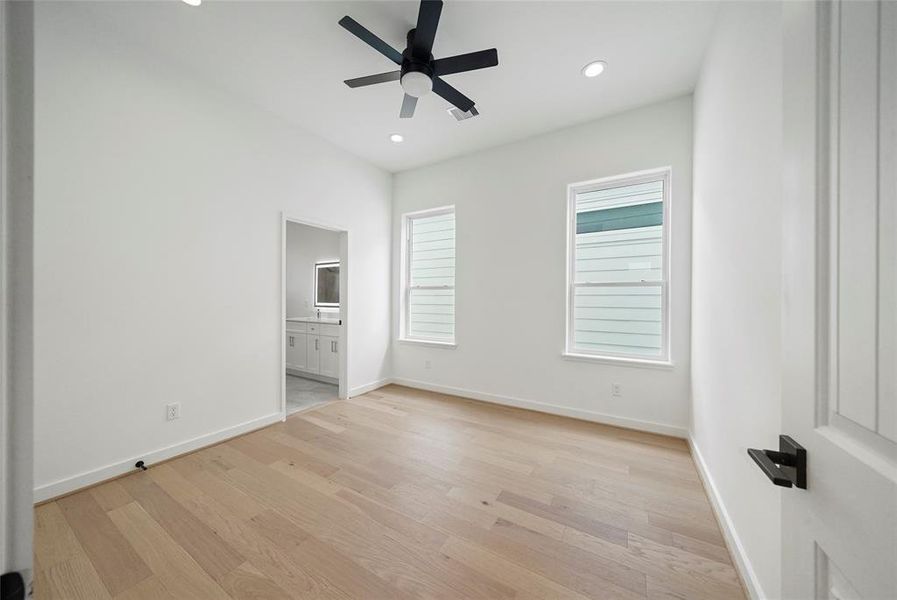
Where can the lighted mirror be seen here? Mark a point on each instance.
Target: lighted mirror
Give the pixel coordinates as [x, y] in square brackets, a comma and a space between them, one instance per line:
[327, 285]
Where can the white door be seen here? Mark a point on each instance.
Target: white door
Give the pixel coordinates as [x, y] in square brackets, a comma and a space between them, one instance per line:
[313, 361]
[839, 536]
[329, 356]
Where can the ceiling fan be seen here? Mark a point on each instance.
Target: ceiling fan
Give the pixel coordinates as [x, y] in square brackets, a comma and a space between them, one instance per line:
[419, 73]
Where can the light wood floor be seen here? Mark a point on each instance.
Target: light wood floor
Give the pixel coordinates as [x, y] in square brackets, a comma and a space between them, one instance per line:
[397, 494]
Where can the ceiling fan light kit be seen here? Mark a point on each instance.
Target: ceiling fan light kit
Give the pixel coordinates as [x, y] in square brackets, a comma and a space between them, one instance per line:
[419, 73]
[416, 83]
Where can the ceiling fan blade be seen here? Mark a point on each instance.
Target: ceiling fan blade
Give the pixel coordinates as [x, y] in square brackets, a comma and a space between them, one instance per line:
[463, 103]
[425, 31]
[408, 104]
[372, 79]
[466, 62]
[361, 32]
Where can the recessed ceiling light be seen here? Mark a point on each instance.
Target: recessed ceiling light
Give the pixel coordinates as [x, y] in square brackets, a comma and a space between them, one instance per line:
[396, 138]
[192, 2]
[594, 68]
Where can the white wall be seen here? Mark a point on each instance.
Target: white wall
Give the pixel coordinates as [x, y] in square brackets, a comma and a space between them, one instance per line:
[306, 246]
[157, 258]
[511, 215]
[736, 293]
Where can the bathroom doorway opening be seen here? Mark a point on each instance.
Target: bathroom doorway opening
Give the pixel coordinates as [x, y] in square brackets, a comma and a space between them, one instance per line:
[314, 270]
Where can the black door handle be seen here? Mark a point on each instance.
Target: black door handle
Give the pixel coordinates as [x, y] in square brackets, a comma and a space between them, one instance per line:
[787, 467]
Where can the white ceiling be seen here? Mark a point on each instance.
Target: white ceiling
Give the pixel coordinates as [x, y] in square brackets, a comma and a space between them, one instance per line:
[291, 58]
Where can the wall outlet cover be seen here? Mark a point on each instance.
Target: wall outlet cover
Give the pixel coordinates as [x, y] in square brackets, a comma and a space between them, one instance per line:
[173, 411]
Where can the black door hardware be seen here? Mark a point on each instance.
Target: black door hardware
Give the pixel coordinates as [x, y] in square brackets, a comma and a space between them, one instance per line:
[12, 586]
[786, 467]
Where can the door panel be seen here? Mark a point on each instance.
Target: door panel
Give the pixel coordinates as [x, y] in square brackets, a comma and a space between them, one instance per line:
[839, 536]
[855, 40]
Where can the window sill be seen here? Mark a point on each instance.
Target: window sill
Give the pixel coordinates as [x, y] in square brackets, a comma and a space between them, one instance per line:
[619, 361]
[431, 343]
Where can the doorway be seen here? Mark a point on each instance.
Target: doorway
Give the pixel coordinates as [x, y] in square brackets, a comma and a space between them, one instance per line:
[314, 263]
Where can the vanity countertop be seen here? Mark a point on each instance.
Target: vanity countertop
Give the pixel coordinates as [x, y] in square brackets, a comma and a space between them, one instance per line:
[323, 320]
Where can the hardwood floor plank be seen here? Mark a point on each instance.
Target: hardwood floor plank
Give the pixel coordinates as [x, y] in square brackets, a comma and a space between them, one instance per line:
[558, 514]
[281, 566]
[248, 583]
[699, 529]
[628, 517]
[212, 553]
[171, 564]
[410, 529]
[509, 573]
[175, 485]
[115, 560]
[574, 559]
[71, 579]
[500, 510]
[707, 550]
[667, 575]
[199, 472]
[148, 589]
[345, 573]
[532, 556]
[110, 495]
[54, 540]
[324, 423]
[684, 562]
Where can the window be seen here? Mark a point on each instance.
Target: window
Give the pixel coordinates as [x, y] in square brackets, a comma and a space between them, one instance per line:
[428, 304]
[618, 257]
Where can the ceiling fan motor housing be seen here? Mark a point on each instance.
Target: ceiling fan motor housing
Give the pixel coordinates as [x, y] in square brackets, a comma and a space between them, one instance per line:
[417, 72]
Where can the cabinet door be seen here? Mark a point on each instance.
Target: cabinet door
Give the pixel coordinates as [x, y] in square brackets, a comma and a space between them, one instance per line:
[296, 350]
[329, 356]
[301, 349]
[291, 350]
[313, 362]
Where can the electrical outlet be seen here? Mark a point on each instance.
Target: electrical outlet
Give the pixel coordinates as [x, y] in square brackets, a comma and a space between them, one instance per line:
[427, 364]
[173, 411]
[616, 390]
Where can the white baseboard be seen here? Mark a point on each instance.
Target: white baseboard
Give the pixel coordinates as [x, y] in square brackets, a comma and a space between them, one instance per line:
[742, 562]
[369, 387]
[82, 480]
[552, 409]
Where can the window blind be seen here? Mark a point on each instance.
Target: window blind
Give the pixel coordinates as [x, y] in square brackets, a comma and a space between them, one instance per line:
[431, 277]
[618, 285]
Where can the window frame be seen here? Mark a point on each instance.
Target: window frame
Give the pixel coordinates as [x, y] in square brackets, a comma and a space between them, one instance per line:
[405, 291]
[570, 350]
